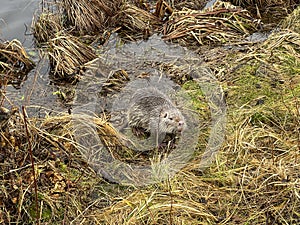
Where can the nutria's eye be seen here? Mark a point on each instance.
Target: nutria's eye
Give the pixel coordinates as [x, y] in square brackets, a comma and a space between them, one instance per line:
[171, 118]
[165, 115]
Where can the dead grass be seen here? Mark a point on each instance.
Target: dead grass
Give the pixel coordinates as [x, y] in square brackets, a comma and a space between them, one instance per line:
[15, 63]
[47, 26]
[196, 5]
[85, 19]
[262, 3]
[292, 21]
[52, 149]
[137, 23]
[255, 177]
[62, 174]
[67, 55]
[270, 11]
[223, 23]
[254, 180]
[89, 17]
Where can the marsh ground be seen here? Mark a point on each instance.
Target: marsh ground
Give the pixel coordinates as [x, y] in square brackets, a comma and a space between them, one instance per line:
[254, 178]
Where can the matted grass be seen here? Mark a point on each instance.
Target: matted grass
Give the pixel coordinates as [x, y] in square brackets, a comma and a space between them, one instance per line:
[47, 26]
[61, 172]
[270, 11]
[196, 4]
[217, 25]
[263, 3]
[67, 56]
[88, 17]
[85, 19]
[255, 177]
[15, 63]
[137, 23]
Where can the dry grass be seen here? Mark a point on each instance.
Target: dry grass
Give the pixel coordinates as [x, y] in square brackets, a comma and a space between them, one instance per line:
[67, 55]
[262, 3]
[137, 23]
[14, 62]
[292, 21]
[89, 17]
[270, 11]
[52, 149]
[115, 82]
[80, 18]
[223, 23]
[47, 26]
[196, 5]
[171, 202]
[62, 174]
[254, 179]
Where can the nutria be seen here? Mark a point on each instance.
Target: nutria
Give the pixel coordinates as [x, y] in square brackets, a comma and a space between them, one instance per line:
[153, 111]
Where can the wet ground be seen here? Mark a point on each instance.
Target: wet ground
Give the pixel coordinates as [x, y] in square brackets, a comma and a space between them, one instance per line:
[37, 91]
[15, 22]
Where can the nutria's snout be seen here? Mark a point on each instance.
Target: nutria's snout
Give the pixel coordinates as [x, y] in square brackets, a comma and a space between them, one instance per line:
[180, 126]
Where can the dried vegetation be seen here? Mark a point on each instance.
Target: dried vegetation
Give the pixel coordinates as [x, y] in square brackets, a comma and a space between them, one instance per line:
[134, 20]
[89, 17]
[255, 178]
[270, 11]
[222, 23]
[57, 28]
[14, 63]
[67, 55]
[47, 26]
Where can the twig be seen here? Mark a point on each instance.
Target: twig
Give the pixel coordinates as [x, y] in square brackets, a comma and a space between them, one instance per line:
[32, 164]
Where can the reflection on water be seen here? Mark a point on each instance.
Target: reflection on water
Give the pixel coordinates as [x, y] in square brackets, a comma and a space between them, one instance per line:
[135, 58]
[35, 93]
[15, 15]
[210, 3]
[15, 22]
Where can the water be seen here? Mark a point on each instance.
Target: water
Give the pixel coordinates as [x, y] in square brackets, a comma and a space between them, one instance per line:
[15, 15]
[136, 58]
[209, 4]
[15, 22]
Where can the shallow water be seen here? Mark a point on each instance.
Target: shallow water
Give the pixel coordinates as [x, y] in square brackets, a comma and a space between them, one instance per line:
[15, 22]
[15, 16]
[210, 3]
[136, 58]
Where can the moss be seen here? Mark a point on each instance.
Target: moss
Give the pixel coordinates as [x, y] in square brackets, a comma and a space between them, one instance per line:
[46, 214]
[252, 90]
[196, 95]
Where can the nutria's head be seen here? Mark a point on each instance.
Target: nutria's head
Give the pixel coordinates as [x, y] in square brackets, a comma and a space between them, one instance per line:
[172, 121]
